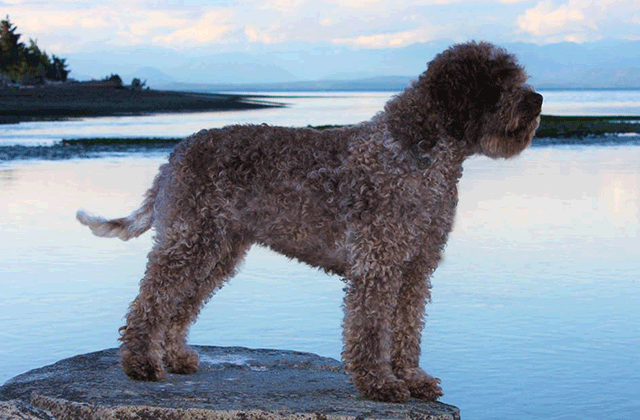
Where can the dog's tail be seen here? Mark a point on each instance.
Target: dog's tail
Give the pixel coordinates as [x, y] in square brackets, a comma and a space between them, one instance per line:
[128, 227]
[124, 228]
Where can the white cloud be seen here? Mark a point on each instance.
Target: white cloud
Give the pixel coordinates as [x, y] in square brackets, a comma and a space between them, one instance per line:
[68, 25]
[271, 35]
[406, 4]
[580, 20]
[281, 5]
[388, 40]
[359, 23]
[156, 20]
[48, 20]
[211, 27]
[547, 18]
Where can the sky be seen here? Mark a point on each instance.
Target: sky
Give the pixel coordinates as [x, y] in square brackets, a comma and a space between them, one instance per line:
[65, 27]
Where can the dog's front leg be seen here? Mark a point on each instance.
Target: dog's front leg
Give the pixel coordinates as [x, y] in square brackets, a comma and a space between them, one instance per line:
[368, 331]
[408, 323]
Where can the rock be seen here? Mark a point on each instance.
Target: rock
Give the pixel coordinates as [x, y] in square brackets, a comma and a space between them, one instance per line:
[20, 410]
[232, 383]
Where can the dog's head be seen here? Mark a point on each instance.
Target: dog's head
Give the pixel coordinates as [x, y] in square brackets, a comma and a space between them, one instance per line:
[480, 95]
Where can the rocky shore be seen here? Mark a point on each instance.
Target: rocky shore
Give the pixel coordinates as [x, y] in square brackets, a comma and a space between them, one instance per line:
[232, 383]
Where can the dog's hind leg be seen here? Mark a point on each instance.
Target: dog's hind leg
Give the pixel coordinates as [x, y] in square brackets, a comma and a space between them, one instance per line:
[408, 323]
[177, 280]
[179, 357]
[171, 276]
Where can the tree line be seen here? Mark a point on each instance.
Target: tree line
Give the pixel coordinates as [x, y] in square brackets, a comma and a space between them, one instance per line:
[27, 64]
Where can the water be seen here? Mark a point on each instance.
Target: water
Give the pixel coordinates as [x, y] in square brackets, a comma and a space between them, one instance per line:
[535, 307]
[303, 109]
[591, 102]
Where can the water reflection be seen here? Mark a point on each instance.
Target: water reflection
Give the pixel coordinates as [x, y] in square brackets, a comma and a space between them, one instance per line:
[302, 110]
[535, 306]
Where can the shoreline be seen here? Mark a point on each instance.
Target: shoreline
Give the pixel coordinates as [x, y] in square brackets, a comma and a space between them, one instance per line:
[45, 103]
[68, 102]
[91, 148]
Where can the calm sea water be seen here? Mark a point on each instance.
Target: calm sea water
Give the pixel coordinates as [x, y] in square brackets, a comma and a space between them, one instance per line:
[303, 109]
[535, 308]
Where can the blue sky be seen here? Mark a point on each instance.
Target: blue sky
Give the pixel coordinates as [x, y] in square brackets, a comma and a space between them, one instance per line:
[64, 26]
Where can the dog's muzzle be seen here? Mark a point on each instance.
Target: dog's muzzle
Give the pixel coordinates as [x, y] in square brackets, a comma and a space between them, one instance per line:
[532, 104]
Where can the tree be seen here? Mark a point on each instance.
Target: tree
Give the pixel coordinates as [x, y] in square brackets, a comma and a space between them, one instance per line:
[58, 69]
[10, 47]
[117, 80]
[27, 64]
[8, 36]
[36, 62]
[137, 85]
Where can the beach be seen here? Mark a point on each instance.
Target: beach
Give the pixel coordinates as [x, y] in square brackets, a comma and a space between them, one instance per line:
[34, 103]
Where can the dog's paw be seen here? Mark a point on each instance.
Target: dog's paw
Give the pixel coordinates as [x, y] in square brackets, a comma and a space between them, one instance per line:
[388, 389]
[421, 385]
[141, 368]
[184, 362]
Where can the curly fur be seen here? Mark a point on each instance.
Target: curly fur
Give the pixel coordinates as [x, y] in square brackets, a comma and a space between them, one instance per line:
[373, 203]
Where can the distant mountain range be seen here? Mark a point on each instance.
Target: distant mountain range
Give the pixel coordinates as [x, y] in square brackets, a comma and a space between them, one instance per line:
[382, 83]
[599, 65]
[602, 65]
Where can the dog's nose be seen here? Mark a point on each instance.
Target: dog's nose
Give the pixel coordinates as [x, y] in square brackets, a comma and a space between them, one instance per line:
[531, 104]
[535, 100]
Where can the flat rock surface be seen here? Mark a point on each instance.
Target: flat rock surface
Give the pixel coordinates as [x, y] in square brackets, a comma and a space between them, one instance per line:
[232, 382]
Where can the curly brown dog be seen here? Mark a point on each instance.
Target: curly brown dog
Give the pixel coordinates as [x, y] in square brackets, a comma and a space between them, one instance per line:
[373, 203]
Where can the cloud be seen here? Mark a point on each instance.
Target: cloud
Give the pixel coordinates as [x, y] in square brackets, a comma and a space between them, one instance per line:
[579, 20]
[49, 20]
[388, 40]
[358, 23]
[271, 35]
[548, 19]
[283, 6]
[156, 20]
[211, 27]
[69, 25]
[407, 4]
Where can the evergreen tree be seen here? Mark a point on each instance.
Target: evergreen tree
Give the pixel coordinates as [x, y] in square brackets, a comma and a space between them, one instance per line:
[58, 69]
[10, 46]
[27, 64]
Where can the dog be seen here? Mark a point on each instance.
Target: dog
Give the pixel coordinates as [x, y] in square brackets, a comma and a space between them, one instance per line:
[373, 203]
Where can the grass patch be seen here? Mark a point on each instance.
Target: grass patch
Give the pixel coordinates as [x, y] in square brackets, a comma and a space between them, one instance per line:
[554, 130]
[552, 126]
[325, 127]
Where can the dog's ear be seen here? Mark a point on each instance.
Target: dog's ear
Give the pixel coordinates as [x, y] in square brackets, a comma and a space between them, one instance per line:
[466, 74]
[453, 87]
[466, 81]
